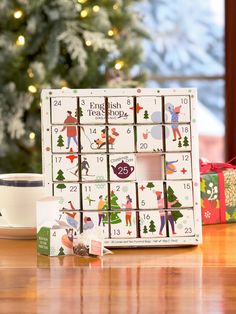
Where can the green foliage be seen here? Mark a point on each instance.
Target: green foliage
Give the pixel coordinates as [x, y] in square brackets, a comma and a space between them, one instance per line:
[61, 48]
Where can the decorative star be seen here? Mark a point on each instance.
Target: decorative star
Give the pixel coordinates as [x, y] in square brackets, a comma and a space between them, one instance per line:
[142, 187]
[138, 108]
[183, 170]
[129, 232]
[71, 157]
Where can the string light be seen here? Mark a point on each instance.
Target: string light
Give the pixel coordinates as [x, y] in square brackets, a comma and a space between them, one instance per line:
[88, 43]
[115, 6]
[30, 72]
[32, 89]
[84, 13]
[20, 40]
[119, 65]
[82, 1]
[96, 8]
[63, 83]
[32, 136]
[18, 14]
[110, 32]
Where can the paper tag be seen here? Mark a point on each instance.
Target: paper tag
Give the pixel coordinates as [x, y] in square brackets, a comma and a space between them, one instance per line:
[96, 247]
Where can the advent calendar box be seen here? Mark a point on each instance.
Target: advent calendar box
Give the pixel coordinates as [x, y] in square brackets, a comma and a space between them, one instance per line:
[125, 161]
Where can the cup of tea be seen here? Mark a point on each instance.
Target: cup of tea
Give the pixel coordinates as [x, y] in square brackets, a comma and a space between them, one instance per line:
[18, 195]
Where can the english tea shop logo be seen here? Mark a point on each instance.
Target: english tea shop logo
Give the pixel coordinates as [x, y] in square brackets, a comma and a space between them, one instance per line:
[115, 111]
[96, 110]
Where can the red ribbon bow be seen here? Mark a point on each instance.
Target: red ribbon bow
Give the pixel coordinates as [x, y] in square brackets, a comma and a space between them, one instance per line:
[218, 167]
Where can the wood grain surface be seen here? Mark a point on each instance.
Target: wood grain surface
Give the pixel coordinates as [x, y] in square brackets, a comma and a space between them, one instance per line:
[162, 280]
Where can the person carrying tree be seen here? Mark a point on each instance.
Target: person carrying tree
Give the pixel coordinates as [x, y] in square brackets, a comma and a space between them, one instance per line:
[128, 213]
[101, 204]
[175, 111]
[71, 130]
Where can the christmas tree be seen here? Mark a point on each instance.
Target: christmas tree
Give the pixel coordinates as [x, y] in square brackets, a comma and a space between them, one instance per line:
[172, 199]
[56, 44]
[185, 142]
[60, 175]
[61, 251]
[60, 186]
[146, 115]
[145, 230]
[179, 144]
[150, 185]
[114, 217]
[60, 141]
[152, 227]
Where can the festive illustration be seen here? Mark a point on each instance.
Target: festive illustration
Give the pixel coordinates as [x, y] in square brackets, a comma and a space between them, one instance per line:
[178, 166]
[149, 110]
[177, 110]
[120, 110]
[71, 130]
[121, 138]
[151, 195]
[149, 138]
[122, 167]
[179, 144]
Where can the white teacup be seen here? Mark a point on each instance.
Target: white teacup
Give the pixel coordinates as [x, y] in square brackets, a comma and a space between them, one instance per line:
[18, 195]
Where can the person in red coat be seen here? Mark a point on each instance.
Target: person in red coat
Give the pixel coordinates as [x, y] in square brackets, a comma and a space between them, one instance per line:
[71, 130]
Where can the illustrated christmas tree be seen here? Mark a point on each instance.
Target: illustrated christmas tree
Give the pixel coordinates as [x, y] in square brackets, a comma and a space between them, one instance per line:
[61, 251]
[71, 43]
[179, 144]
[150, 185]
[60, 141]
[60, 177]
[173, 202]
[80, 112]
[186, 142]
[114, 217]
[145, 230]
[152, 226]
[146, 115]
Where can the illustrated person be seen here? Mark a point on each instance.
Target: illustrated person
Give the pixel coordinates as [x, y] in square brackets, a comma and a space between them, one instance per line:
[160, 200]
[71, 130]
[163, 219]
[101, 204]
[175, 111]
[113, 136]
[128, 213]
[88, 223]
[85, 166]
[102, 140]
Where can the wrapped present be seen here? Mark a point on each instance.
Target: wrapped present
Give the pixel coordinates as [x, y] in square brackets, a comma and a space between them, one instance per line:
[218, 192]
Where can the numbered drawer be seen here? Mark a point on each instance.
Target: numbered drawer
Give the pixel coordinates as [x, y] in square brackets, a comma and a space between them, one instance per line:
[120, 110]
[122, 167]
[69, 194]
[179, 194]
[65, 139]
[178, 166]
[64, 110]
[150, 195]
[148, 110]
[178, 137]
[177, 109]
[93, 139]
[92, 110]
[70, 220]
[122, 195]
[152, 224]
[149, 138]
[93, 167]
[65, 167]
[121, 139]
[96, 222]
[123, 224]
[95, 196]
[181, 223]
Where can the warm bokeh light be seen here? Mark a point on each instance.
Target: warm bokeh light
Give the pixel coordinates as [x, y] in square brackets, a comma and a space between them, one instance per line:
[20, 40]
[32, 89]
[119, 65]
[18, 14]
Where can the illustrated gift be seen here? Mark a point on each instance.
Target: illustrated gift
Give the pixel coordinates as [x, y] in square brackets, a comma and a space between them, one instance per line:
[124, 161]
[218, 190]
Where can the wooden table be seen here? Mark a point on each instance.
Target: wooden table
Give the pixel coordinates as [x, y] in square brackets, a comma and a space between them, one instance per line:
[167, 280]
